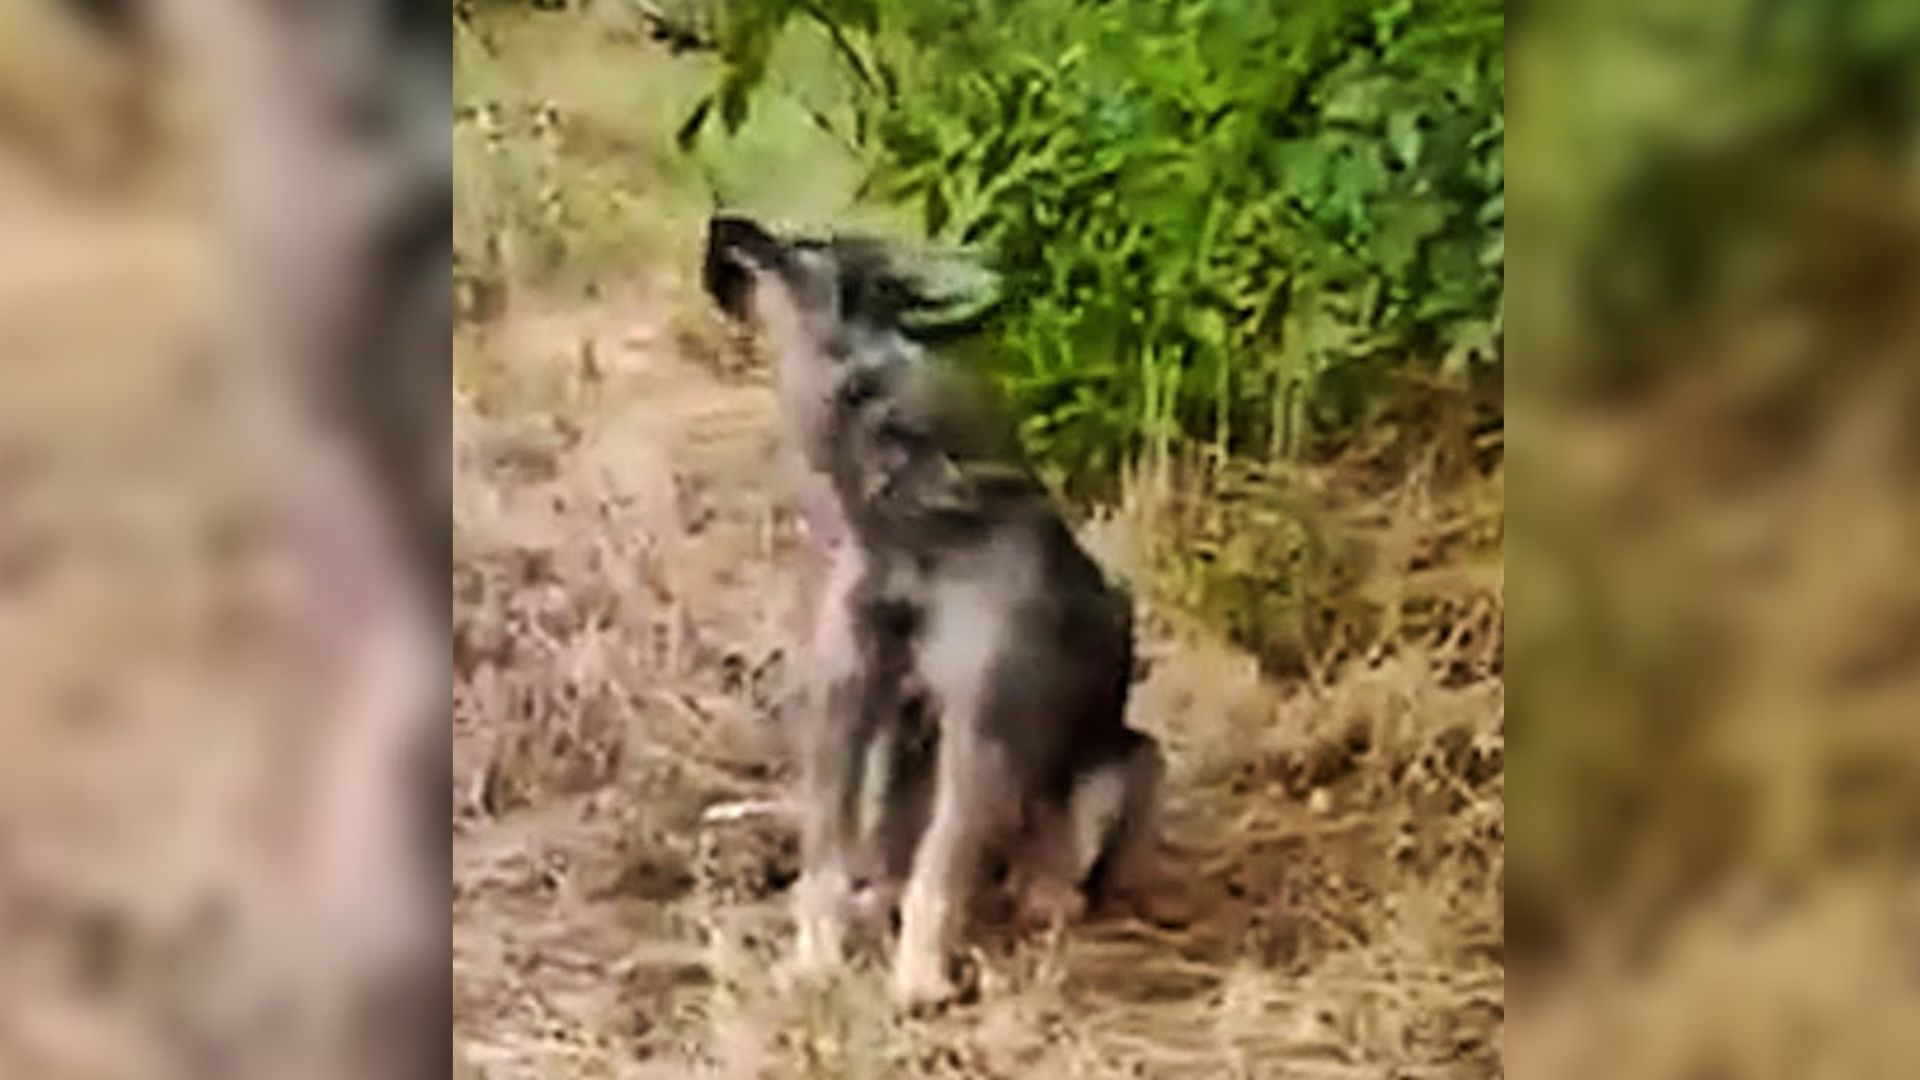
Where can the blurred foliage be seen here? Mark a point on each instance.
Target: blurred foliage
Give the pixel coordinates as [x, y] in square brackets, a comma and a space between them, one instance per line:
[1227, 239]
[1231, 224]
[1684, 162]
[1719, 219]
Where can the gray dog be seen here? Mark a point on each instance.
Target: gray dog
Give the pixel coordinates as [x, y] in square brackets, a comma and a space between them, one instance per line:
[970, 664]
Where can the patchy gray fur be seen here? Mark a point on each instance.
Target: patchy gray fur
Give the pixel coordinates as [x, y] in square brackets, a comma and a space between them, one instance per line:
[971, 662]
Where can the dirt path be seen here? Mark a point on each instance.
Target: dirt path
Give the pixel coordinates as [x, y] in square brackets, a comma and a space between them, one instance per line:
[622, 576]
[613, 611]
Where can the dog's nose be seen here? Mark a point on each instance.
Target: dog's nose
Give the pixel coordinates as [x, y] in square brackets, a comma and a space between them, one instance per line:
[734, 245]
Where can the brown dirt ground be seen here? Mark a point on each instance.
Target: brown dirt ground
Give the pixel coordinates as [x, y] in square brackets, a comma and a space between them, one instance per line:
[623, 596]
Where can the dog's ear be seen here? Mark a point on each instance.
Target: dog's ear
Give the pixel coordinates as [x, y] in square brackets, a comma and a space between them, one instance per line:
[737, 250]
[948, 295]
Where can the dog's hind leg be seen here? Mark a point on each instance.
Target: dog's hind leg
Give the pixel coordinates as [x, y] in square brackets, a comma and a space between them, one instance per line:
[1114, 809]
[1095, 842]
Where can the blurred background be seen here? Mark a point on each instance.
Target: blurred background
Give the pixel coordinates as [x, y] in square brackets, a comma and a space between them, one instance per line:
[1714, 800]
[224, 309]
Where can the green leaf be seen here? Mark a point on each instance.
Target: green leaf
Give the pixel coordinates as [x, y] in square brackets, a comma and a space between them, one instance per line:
[864, 14]
[1301, 167]
[1208, 327]
[1296, 187]
[1403, 135]
[1494, 254]
[1357, 175]
[1404, 226]
[733, 102]
[1388, 18]
[1357, 101]
[1494, 211]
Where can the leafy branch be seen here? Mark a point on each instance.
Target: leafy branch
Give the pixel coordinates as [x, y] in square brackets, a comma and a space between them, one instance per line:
[1244, 225]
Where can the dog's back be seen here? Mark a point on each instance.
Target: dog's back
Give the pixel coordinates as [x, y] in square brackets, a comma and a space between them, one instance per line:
[943, 497]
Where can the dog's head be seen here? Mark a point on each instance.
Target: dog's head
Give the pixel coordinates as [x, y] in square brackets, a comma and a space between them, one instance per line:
[833, 296]
[835, 307]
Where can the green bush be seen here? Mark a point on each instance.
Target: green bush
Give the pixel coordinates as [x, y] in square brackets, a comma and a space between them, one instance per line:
[1226, 223]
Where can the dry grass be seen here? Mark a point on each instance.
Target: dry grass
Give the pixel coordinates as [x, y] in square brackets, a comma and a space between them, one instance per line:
[1334, 848]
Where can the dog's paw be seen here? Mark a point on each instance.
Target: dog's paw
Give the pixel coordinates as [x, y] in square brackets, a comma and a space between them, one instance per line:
[921, 983]
[1044, 903]
[819, 949]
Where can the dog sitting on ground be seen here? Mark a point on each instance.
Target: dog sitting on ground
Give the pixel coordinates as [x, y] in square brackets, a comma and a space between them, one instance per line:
[969, 663]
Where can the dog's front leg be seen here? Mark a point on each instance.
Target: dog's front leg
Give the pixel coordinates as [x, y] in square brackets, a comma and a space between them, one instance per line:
[830, 768]
[973, 792]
